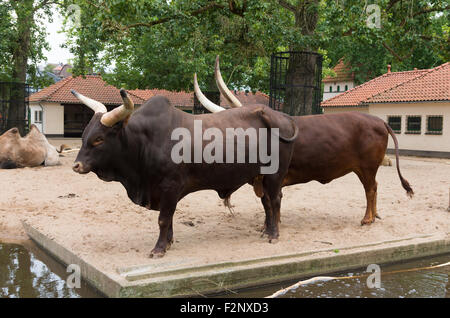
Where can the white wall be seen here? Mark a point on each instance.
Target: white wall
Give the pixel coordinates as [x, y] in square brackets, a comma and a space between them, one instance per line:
[36, 108]
[418, 142]
[422, 141]
[334, 86]
[53, 117]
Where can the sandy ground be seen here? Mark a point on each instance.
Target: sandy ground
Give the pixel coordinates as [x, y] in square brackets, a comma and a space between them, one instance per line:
[97, 221]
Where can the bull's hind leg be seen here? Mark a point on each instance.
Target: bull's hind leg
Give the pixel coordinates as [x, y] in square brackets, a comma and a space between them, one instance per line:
[272, 203]
[370, 186]
[271, 223]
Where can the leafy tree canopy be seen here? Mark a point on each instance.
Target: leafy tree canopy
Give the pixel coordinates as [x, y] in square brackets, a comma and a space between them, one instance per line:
[23, 39]
[161, 43]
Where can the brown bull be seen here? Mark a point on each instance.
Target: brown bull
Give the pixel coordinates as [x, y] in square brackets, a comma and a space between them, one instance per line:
[330, 146]
[29, 151]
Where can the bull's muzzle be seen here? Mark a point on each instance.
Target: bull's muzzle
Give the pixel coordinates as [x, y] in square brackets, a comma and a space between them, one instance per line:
[78, 167]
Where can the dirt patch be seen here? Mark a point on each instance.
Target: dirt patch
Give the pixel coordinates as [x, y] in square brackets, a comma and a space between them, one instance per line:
[97, 221]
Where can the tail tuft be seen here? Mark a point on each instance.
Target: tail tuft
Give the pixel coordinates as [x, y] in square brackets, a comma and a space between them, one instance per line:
[227, 204]
[407, 187]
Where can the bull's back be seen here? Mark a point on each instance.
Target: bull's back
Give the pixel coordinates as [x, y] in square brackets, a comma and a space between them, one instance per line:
[331, 145]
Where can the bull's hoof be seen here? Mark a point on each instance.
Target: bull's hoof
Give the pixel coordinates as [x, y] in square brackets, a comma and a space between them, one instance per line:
[264, 231]
[273, 240]
[157, 253]
[169, 244]
[367, 221]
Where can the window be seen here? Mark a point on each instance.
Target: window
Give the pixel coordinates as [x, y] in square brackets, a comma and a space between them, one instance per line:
[395, 122]
[338, 88]
[331, 88]
[38, 116]
[434, 125]
[413, 125]
[346, 87]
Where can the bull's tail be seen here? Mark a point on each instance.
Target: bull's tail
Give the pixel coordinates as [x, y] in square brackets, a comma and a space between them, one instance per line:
[405, 183]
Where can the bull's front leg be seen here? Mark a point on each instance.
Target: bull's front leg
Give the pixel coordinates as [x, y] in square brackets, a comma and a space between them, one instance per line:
[165, 220]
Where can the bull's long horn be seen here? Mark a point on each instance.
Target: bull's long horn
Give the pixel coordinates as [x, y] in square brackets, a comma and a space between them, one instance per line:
[119, 113]
[232, 100]
[209, 105]
[96, 106]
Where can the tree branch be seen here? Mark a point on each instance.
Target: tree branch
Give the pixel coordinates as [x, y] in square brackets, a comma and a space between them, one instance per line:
[287, 6]
[391, 4]
[424, 11]
[45, 3]
[234, 8]
[428, 10]
[209, 6]
[401, 59]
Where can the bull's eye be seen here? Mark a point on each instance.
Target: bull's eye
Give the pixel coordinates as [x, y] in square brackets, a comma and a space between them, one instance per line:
[98, 141]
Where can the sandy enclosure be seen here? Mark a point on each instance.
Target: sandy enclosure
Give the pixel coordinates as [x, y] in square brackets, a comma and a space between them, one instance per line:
[97, 221]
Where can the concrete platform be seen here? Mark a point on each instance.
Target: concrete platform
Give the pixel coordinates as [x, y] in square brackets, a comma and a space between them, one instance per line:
[179, 278]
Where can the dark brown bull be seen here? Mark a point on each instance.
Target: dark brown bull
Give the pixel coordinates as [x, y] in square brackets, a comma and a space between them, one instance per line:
[330, 146]
[134, 148]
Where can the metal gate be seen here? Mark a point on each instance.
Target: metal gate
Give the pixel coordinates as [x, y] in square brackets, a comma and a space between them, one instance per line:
[295, 82]
[213, 96]
[14, 106]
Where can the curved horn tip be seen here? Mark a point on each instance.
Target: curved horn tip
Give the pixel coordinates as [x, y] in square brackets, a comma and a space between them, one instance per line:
[216, 65]
[123, 93]
[74, 92]
[232, 100]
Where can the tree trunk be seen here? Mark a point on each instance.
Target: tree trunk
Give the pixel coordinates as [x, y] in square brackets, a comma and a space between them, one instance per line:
[301, 71]
[300, 84]
[17, 109]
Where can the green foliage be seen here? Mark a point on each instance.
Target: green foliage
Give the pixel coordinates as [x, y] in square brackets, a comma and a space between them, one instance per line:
[160, 44]
[412, 34]
[23, 39]
[5, 40]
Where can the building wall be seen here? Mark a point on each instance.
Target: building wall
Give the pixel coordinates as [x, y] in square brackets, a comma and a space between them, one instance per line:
[422, 144]
[35, 119]
[334, 89]
[53, 118]
[423, 141]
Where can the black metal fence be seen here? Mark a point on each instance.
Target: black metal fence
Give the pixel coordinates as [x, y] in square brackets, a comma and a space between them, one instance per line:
[295, 82]
[14, 106]
[213, 96]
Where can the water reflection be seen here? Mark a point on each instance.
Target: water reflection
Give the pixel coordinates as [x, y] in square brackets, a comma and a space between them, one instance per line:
[29, 272]
[423, 283]
[33, 274]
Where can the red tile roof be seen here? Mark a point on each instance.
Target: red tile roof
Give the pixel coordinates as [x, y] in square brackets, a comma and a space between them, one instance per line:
[433, 85]
[361, 94]
[187, 98]
[95, 87]
[247, 98]
[92, 86]
[176, 98]
[343, 73]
